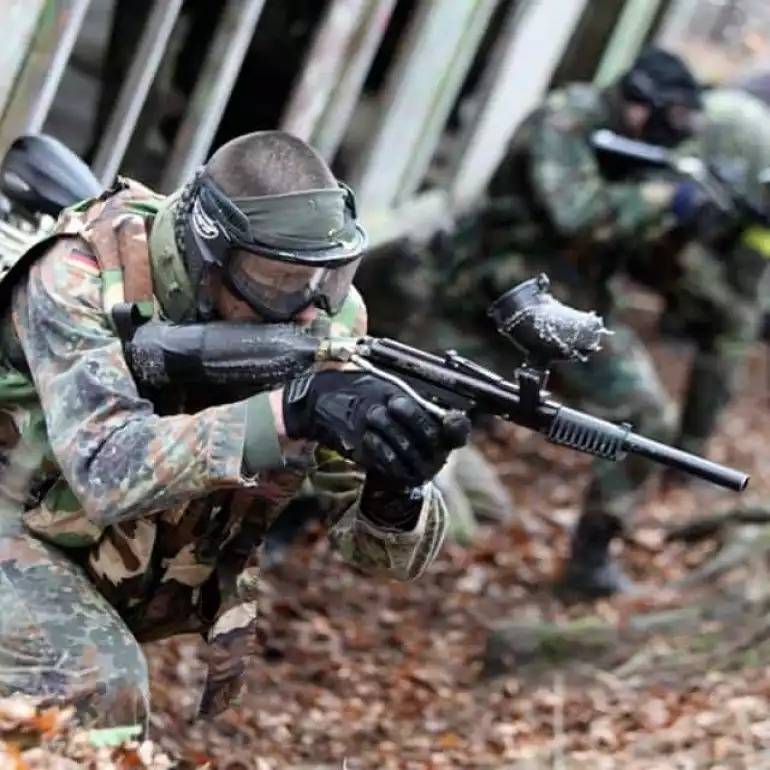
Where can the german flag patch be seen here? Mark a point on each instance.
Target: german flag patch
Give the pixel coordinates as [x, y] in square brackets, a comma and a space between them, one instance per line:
[83, 261]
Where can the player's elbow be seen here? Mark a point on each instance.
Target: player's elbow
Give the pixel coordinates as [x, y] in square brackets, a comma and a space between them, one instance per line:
[575, 205]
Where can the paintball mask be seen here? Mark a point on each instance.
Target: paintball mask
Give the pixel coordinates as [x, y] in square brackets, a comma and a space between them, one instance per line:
[278, 253]
[662, 82]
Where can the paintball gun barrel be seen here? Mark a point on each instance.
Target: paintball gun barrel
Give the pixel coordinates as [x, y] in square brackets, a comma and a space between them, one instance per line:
[713, 178]
[542, 328]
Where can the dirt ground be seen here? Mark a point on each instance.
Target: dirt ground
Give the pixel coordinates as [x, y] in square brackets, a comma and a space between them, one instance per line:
[360, 673]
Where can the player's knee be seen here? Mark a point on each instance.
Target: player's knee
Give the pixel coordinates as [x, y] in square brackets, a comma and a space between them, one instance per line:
[118, 691]
[61, 640]
[107, 690]
[123, 696]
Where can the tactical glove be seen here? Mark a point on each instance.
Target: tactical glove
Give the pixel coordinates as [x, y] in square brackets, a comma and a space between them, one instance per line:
[374, 423]
[687, 201]
[694, 208]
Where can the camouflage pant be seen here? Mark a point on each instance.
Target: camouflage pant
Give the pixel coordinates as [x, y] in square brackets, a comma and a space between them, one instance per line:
[62, 641]
[619, 383]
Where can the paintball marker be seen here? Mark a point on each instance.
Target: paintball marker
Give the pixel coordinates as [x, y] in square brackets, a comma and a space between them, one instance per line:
[543, 329]
[714, 179]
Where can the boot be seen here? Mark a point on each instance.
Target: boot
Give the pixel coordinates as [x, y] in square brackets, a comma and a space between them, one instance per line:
[591, 572]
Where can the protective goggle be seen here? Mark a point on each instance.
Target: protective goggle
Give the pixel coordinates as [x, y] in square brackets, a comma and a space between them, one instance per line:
[279, 253]
[278, 291]
[684, 120]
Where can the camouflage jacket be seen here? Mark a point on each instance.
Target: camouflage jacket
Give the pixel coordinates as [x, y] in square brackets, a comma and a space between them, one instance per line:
[727, 276]
[554, 191]
[721, 276]
[156, 508]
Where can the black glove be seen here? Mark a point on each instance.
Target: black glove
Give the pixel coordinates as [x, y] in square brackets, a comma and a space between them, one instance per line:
[702, 216]
[374, 423]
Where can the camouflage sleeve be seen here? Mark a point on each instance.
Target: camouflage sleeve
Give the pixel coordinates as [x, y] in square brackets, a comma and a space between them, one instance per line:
[578, 200]
[719, 295]
[120, 459]
[337, 485]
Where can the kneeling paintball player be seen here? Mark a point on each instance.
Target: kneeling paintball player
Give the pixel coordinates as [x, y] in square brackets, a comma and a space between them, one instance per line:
[125, 521]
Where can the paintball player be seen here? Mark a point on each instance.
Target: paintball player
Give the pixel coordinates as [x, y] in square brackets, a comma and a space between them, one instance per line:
[126, 521]
[713, 286]
[715, 295]
[555, 206]
[755, 82]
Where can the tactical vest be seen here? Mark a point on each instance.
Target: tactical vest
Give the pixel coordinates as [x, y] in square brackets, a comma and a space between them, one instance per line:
[168, 594]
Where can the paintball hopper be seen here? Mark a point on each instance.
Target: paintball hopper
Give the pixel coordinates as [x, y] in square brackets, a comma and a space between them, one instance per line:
[544, 329]
[43, 176]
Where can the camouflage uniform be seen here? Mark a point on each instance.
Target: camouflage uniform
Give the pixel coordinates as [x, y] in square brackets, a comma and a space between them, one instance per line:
[552, 208]
[120, 525]
[752, 141]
